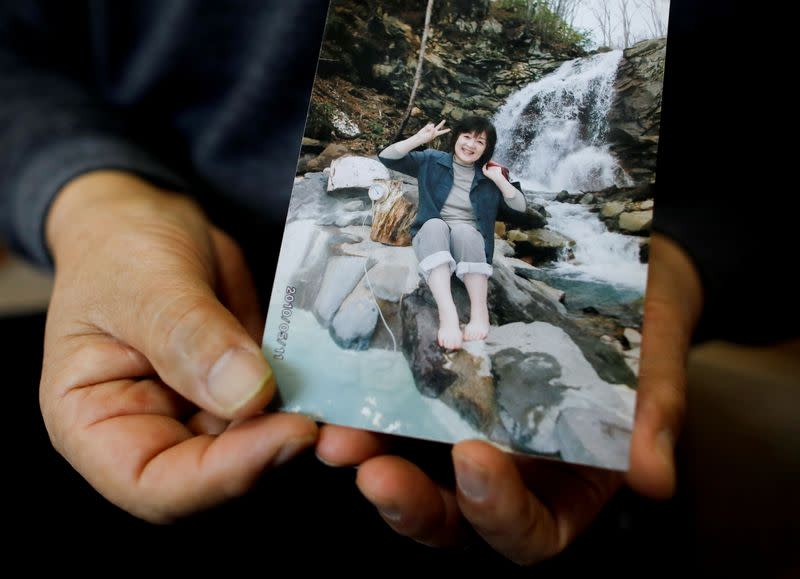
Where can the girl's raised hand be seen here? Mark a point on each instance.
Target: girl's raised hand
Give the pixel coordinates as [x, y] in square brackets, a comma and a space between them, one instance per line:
[430, 131]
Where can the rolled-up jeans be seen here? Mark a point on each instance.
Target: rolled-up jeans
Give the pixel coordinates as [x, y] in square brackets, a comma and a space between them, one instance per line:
[459, 245]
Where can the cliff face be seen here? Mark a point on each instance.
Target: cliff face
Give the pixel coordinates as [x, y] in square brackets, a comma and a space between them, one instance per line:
[476, 56]
[635, 116]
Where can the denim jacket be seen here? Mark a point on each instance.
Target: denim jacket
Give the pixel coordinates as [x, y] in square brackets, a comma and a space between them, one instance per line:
[434, 172]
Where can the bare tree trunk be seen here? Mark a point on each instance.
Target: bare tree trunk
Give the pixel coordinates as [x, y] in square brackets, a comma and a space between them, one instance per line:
[418, 75]
[602, 13]
[625, 19]
[657, 15]
[564, 9]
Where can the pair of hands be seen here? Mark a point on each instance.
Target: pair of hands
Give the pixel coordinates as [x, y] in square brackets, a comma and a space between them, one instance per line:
[153, 385]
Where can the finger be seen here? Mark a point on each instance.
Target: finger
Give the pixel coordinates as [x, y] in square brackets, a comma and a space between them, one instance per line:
[672, 305]
[204, 422]
[441, 124]
[442, 132]
[153, 467]
[409, 501]
[494, 498]
[343, 446]
[196, 345]
[235, 285]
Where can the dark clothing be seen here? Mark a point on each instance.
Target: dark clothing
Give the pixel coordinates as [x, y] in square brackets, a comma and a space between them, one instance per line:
[208, 97]
[721, 182]
[434, 172]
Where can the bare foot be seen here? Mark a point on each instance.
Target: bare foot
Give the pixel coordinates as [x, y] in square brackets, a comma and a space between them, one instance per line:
[477, 288]
[477, 328]
[449, 330]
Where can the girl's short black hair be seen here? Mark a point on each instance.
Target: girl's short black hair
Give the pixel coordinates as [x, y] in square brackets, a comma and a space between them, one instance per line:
[476, 125]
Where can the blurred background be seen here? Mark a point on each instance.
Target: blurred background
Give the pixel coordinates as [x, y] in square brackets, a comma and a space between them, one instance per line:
[23, 289]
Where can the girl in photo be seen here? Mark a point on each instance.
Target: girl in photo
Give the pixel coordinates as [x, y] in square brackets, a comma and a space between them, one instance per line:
[460, 195]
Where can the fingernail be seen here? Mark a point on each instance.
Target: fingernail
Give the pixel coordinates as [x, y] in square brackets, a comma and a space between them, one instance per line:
[327, 462]
[291, 449]
[472, 480]
[237, 377]
[390, 513]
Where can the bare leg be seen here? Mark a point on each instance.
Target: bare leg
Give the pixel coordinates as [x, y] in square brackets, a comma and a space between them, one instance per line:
[449, 329]
[477, 287]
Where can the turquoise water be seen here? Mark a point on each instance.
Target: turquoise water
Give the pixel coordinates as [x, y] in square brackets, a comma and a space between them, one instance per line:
[371, 389]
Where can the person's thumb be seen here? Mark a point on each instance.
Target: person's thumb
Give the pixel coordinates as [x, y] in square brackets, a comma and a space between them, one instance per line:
[672, 306]
[202, 351]
[196, 346]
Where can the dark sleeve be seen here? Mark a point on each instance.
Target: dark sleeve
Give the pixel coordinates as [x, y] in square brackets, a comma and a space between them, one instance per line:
[52, 128]
[717, 192]
[409, 164]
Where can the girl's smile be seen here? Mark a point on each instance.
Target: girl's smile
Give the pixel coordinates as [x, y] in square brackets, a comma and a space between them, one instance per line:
[469, 147]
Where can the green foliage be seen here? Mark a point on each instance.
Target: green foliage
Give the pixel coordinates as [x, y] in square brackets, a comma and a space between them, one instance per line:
[376, 128]
[546, 24]
[318, 125]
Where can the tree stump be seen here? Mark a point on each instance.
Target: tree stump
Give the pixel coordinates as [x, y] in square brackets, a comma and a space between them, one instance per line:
[392, 215]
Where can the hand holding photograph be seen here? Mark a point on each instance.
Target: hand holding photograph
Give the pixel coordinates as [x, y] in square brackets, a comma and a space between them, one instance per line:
[465, 253]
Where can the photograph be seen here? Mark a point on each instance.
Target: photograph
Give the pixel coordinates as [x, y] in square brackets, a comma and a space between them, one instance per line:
[466, 245]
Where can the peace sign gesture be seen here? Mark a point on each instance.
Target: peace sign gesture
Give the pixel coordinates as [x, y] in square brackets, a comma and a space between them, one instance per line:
[429, 132]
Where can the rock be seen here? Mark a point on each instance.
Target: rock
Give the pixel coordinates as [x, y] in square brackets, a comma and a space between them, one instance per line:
[558, 376]
[472, 393]
[587, 199]
[354, 323]
[633, 364]
[491, 26]
[309, 201]
[638, 222]
[612, 209]
[526, 387]
[312, 144]
[633, 353]
[635, 115]
[389, 281]
[543, 244]
[382, 70]
[647, 204]
[532, 218]
[593, 437]
[516, 299]
[420, 330]
[342, 274]
[554, 294]
[308, 247]
[633, 337]
[343, 126]
[354, 171]
[326, 157]
[644, 250]
[563, 196]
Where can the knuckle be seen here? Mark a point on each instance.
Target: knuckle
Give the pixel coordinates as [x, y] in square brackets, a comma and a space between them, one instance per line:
[175, 319]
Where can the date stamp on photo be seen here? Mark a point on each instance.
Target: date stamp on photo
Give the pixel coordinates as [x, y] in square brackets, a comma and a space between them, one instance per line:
[286, 320]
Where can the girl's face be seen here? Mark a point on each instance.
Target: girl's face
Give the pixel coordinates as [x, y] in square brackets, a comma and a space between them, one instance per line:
[469, 147]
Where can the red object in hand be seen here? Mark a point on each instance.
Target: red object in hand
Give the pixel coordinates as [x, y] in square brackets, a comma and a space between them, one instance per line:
[503, 168]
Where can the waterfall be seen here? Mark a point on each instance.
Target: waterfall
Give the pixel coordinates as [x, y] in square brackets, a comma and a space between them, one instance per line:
[552, 134]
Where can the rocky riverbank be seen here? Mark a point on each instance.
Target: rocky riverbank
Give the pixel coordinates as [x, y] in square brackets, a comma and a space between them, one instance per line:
[545, 380]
